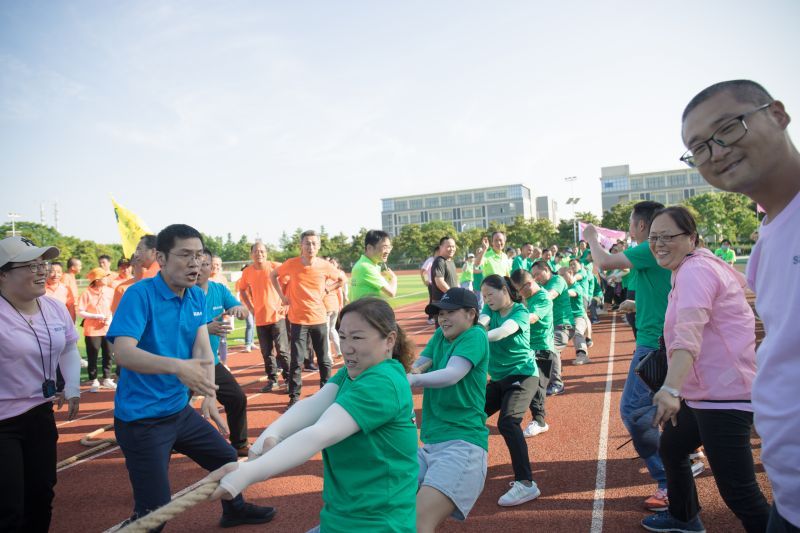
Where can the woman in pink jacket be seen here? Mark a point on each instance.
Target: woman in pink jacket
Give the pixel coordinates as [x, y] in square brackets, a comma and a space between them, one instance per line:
[709, 332]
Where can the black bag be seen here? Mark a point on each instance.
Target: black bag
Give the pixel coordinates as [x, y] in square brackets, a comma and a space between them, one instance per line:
[652, 368]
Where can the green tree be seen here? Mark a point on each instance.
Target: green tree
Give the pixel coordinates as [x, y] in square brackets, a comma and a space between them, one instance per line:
[539, 232]
[618, 217]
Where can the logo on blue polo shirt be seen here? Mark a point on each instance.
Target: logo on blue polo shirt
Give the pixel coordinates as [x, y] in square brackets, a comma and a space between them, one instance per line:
[197, 313]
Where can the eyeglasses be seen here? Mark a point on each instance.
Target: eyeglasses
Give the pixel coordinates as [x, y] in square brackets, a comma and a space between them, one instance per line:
[188, 257]
[666, 239]
[726, 135]
[44, 266]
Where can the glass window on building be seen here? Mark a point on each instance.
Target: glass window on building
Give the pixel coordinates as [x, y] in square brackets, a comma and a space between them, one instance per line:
[515, 191]
[415, 218]
[432, 202]
[644, 196]
[674, 197]
[388, 205]
[415, 203]
[636, 184]
[677, 180]
[696, 179]
[496, 195]
[688, 193]
[660, 198]
[401, 205]
[447, 215]
[478, 197]
[401, 219]
[619, 183]
[448, 201]
[654, 182]
[465, 198]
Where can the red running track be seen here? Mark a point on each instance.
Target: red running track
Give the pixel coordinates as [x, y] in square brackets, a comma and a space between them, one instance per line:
[95, 494]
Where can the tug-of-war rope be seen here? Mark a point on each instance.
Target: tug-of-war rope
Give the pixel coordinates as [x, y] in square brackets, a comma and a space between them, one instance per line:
[175, 507]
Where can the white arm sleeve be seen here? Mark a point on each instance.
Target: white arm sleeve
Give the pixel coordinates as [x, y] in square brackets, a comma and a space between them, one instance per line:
[422, 360]
[333, 426]
[457, 367]
[483, 320]
[87, 314]
[70, 363]
[303, 414]
[509, 327]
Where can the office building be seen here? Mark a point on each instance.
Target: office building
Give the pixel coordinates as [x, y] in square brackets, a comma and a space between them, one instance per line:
[547, 208]
[667, 186]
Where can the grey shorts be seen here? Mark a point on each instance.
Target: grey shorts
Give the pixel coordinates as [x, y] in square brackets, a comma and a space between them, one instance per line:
[455, 468]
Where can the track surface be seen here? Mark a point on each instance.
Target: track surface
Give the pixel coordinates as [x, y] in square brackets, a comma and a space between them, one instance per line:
[94, 494]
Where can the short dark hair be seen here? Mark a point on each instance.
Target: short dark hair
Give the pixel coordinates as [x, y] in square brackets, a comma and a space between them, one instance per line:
[644, 211]
[682, 217]
[71, 261]
[122, 261]
[253, 246]
[380, 316]
[542, 264]
[208, 252]
[103, 256]
[374, 236]
[445, 238]
[723, 242]
[503, 233]
[498, 283]
[742, 90]
[167, 236]
[150, 241]
[308, 233]
[56, 263]
[520, 276]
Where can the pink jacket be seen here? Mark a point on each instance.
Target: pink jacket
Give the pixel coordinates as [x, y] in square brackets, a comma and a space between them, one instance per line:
[708, 316]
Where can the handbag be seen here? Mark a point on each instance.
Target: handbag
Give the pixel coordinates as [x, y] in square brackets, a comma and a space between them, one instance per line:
[652, 368]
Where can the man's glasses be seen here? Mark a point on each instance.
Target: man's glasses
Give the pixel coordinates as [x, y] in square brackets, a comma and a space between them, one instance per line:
[189, 257]
[726, 135]
[44, 266]
[666, 239]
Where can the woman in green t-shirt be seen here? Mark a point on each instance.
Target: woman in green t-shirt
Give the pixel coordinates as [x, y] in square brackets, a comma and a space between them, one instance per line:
[363, 422]
[452, 369]
[513, 378]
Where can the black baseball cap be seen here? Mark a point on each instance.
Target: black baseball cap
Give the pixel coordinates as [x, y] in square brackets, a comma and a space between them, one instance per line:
[454, 298]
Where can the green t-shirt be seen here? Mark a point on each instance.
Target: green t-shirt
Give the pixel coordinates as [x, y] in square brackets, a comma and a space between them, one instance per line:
[729, 256]
[652, 289]
[584, 258]
[524, 263]
[456, 412]
[477, 278]
[576, 302]
[366, 279]
[370, 478]
[629, 280]
[494, 263]
[511, 356]
[466, 273]
[553, 266]
[542, 330]
[562, 312]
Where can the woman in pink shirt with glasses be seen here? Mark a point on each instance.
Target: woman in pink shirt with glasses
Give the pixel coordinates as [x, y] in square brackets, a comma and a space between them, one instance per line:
[709, 332]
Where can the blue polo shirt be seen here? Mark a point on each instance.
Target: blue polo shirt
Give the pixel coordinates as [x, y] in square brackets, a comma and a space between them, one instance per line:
[218, 299]
[166, 325]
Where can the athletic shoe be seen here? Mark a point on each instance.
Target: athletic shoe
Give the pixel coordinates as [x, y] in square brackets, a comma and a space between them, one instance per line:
[248, 348]
[94, 386]
[519, 494]
[249, 514]
[84, 363]
[268, 387]
[311, 367]
[553, 389]
[292, 401]
[108, 383]
[581, 358]
[658, 501]
[698, 454]
[534, 429]
[589, 342]
[697, 468]
[663, 521]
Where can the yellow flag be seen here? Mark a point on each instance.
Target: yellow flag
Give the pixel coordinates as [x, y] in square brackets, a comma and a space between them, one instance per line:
[131, 228]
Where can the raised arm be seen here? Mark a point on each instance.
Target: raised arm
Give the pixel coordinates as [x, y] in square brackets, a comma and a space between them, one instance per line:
[602, 258]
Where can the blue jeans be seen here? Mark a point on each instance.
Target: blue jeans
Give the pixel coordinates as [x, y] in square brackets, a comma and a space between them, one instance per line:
[249, 330]
[637, 411]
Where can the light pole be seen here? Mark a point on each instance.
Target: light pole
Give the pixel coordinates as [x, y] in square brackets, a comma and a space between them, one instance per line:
[13, 217]
[572, 201]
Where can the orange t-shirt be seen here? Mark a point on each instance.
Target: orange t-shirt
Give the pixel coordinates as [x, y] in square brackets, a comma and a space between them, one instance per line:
[119, 291]
[267, 306]
[119, 280]
[95, 300]
[151, 272]
[61, 293]
[306, 289]
[69, 280]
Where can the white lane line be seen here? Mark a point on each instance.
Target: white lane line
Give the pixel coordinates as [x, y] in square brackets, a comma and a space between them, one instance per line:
[602, 448]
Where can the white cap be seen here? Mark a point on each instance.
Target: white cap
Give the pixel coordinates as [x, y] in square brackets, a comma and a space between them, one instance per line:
[20, 250]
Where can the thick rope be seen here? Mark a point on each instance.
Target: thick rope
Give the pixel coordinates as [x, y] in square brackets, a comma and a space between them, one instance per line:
[95, 445]
[172, 509]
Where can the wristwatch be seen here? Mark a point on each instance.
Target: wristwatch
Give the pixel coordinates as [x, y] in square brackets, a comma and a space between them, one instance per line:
[675, 393]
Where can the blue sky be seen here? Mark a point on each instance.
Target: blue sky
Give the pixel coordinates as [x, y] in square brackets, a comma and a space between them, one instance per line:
[258, 117]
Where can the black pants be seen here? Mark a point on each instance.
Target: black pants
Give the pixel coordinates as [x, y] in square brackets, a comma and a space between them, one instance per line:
[778, 524]
[28, 459]
[231, 396]
[95, 345]
[319, 340]
[430, 300]
[270, 335]
[725, 437]
[512, 396]
[544, 360]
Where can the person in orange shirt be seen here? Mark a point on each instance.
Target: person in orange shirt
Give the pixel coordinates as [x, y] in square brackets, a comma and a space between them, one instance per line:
[308, 278]
[55, 289]
[69, 277]
[334, 301]
[94, 305]
[146, 250]
[123, 273]
[120, 288]
[104, 262]
[216, 271]
[264, 302]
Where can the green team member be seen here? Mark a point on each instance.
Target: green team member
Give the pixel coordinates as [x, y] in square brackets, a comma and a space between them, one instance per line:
[556, 289]
[725, 252]
[523, 260]
[580, 320]
[514, 379]
[467, 272]
[540, 307]
[494, 259]
[453, 459]
[366, 278]
[361, 420]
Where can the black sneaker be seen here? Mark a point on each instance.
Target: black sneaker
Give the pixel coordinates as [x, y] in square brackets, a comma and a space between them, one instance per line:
[292, 401]
[268, 387]
[249, 514]
[311, 366]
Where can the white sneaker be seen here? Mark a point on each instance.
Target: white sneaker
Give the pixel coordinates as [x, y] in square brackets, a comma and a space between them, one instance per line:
[94, 386]
[519, 494]
[697, 468]
[534, 429]
[698, 454]
[248, 348]
[108, 383]
[84, 363]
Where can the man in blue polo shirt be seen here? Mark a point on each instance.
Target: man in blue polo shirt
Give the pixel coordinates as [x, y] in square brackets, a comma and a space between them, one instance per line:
[161, 344]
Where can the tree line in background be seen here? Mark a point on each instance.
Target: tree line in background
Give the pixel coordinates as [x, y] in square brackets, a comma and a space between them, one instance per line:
[719, 216]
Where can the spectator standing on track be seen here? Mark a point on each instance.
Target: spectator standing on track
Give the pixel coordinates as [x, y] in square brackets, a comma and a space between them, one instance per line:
[94, 307]
[220, 304]
[217, 275]
[120, 289]
[709, 333]
[161, 342]
[652, 288]
[264, 302]
[580, 321]
[55, 289]
[725, 252]
[563, 322]
[467, 272]
[513, 380]
[540, 307]
[361, 420]
[69, 278]
[308, 278]
[123, 273]
[104, 262]
[477, 280]
[250, 325]
[452, 369]
[737, 138]
[36, 335]
[369, 277]
[492, 258]
[443, 270]
[146, 250]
